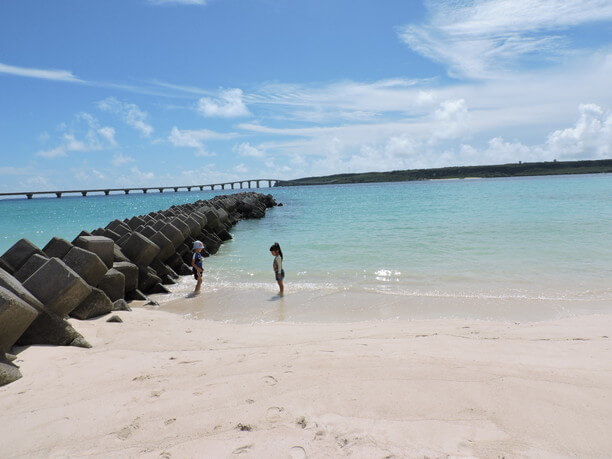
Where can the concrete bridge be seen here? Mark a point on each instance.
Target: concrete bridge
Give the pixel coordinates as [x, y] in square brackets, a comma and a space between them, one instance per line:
[240, 184]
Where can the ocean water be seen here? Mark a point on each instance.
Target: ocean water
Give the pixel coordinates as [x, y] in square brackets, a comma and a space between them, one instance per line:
[531, 239]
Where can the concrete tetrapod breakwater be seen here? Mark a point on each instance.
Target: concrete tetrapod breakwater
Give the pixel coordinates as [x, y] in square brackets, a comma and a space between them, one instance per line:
[103, 270]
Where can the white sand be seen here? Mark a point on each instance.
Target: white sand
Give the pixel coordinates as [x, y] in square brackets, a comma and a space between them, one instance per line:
[159, 385]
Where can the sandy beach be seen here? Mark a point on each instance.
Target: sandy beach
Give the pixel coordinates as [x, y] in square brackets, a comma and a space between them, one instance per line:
[161, 385]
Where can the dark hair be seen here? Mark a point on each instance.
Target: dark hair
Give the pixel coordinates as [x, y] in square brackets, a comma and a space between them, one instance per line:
[276, 248]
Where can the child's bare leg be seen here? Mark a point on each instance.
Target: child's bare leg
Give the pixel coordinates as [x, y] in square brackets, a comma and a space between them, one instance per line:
[198, 284]
[281, 287]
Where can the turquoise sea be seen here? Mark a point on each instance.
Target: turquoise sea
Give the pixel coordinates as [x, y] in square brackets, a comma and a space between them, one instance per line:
[535, 238]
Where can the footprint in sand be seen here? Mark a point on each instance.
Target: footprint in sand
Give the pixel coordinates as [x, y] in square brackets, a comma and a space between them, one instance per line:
[274, 413]
[297, 452]
[127, 431]
[169, 421]
[242, 449]
[270, 380]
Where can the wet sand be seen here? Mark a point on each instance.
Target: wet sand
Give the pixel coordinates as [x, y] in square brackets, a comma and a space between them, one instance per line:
[161, 385]
[304, 304]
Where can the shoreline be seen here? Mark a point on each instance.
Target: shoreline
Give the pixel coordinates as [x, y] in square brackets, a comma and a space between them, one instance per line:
[161, 385]
[225, 302]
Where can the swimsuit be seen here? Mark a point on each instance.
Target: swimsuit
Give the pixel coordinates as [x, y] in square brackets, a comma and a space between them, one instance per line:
[279, 272]
[197, 258]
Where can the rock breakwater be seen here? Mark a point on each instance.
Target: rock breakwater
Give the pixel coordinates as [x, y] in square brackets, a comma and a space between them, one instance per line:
[103, 270]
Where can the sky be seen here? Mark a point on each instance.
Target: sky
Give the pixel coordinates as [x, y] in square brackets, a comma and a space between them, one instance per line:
[115, 93]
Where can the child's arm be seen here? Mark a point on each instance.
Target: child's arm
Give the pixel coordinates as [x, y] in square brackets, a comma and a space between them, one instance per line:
[275, 266]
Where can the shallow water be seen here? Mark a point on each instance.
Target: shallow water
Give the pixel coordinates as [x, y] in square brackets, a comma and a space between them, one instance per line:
[516, 239]
[531, 238]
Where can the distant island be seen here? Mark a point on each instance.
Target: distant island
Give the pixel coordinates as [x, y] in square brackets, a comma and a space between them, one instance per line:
[499, 170]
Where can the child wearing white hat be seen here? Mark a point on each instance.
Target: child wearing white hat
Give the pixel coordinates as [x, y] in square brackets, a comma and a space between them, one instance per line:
[196, 263]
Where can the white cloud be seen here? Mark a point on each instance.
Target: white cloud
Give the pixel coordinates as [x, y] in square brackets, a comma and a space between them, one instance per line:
[590, 137]
[119, 159]
[87, 175]
[229, 104]
[453, 116]
[108, 133]
[69, 143]
[344, 101]
[525, 109]
[203, 153]
[97, 174]
[205, 173]
[195, 139]
[56, 75]
[246, 149]
[95, 137]
[131, 114]
[241, 168]
[36, 183]
[186, 138]
[485, 38]
[141, 176]
[191, 139]
[56, 152]
[380, 148]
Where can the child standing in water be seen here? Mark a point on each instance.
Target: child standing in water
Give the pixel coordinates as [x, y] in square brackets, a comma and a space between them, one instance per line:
[196, 263]
[277, 265]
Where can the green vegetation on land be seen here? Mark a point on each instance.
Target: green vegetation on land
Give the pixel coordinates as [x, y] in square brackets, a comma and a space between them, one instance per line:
[500, 170]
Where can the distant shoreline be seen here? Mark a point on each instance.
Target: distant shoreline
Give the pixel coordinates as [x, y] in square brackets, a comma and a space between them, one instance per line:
[520, 169]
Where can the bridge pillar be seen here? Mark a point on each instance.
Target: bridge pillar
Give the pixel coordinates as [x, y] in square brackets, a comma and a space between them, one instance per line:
[106, 192]
[161, 190]
[59, 195]
[257, 183]
[241, 185]
[223, 186]
[201, 188]
[126, 191]
[144, 190]
[84, 193]
[30, 195]
[175, 189]
[188, 188]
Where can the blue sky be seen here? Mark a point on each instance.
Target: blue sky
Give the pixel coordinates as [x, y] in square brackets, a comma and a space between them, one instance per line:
[104, 93]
